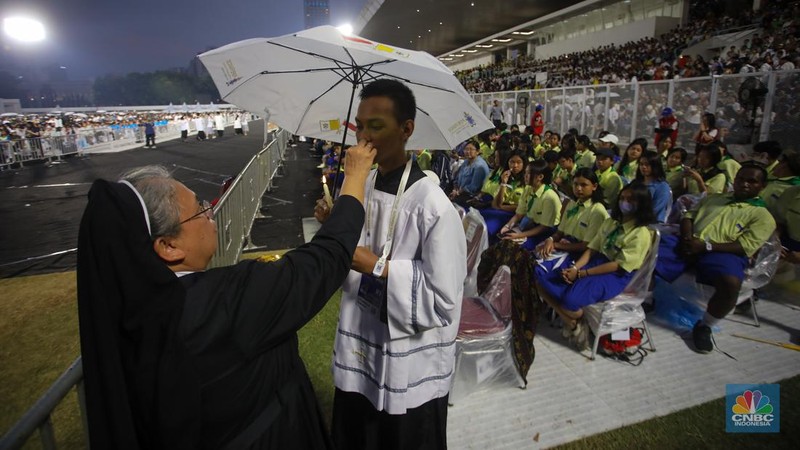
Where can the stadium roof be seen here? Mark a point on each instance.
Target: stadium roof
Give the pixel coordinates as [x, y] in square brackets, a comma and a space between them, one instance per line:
[440, 27]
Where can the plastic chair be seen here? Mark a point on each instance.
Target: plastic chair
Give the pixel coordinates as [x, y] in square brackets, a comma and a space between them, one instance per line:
[477, 243]
[484, 345]
[757, 275]
[625, 310]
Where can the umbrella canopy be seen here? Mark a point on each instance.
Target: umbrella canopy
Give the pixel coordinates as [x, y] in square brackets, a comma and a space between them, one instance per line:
[9, 114]
[307, 82]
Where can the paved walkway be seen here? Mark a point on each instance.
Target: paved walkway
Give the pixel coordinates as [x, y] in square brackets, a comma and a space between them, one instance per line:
[41, 206]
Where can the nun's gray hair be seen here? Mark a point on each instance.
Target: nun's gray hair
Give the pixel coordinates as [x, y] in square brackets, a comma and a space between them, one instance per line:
[157, 189]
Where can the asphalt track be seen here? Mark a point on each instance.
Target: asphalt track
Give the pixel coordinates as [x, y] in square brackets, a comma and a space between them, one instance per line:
[41, 206]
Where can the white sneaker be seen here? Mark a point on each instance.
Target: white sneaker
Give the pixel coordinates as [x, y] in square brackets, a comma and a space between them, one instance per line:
[580, 336]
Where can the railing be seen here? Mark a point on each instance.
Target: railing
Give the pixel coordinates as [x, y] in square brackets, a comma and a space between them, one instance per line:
[241, 203]
[38, 417]
[588, 108]
[234, 214]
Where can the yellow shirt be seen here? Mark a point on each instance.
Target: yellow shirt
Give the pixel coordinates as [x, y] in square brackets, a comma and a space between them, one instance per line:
[675, 178]
[775, 188]
[539, 151]
[584, 159]
[492, 184]
[485, 151]
[788, 212]
[625, 243]
[730, 166]
[714, 185]
[719, 218]
[582, 220]
[512, 195]
[611, 184]
[772, 167]
[565, 185]
[542, 207]
[629, 171]
[424, 160]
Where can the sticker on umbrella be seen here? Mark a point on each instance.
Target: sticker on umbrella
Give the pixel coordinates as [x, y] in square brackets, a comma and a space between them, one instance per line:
[329, 125]
[229, 70]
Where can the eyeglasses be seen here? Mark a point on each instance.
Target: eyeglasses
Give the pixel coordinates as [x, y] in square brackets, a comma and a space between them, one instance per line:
[205, 208]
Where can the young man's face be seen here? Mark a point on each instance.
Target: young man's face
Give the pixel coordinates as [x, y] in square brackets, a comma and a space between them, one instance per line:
[748, 183]
[554, 141]
[603, 163]
[376, 123]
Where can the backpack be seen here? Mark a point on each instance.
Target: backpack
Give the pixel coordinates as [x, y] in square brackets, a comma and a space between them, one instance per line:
[629, 351]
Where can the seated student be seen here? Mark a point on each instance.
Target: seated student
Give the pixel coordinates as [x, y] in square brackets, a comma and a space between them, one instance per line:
[584, 156]
[718, 237]
[551, 158]
[562, 177]
[787, 216]
[771, 152]
[674, 171]
[610, 141]
[487, 140]
[537, 214]
[664, 147]
[785, 175]
[626, 168]
[497, 161]
[538, 148]
[470, 176]
[580, 221]
[614, 253]
[651, 174]
[506, 199]
[555, 141]
[727, 164]
[705, 177]
[610, 181]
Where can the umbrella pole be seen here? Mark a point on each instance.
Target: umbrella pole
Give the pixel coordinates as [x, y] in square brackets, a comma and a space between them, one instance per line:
[344, 139]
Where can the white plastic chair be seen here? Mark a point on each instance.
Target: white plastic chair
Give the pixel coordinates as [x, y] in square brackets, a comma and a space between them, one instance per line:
[625, 310]
[477, 243]
[484, 346]
[757, 275]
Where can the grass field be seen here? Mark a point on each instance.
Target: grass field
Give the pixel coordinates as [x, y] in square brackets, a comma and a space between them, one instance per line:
[39, 339]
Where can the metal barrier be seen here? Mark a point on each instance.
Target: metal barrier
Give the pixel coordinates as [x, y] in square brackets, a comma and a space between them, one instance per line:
[631, 110]
[234, 213]
[241, 203]
[38, 417]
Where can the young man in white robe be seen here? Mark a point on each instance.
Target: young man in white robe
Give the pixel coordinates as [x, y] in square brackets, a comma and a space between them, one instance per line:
[394, 355]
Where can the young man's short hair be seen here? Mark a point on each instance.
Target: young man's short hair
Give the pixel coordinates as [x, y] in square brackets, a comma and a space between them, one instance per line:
[405, 106]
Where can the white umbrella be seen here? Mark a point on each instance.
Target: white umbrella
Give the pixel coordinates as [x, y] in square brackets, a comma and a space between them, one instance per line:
[9, 114]
[307, 83]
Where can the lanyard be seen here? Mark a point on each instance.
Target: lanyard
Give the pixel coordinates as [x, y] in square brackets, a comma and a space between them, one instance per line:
[387, 248]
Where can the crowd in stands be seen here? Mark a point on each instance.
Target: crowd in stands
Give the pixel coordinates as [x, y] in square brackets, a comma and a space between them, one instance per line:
[774, 47]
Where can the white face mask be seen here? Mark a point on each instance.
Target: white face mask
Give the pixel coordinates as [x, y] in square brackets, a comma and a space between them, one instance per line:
[626, 207]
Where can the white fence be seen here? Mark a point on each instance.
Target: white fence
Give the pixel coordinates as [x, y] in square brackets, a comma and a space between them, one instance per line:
[588, 108]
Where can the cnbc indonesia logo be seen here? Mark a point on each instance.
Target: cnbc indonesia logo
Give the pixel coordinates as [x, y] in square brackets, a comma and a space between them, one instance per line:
[753, 410]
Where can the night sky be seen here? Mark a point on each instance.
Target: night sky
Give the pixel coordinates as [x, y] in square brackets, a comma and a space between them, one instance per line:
[97, 37]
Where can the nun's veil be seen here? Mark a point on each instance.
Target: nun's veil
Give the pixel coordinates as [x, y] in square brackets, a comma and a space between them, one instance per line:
[140, 388]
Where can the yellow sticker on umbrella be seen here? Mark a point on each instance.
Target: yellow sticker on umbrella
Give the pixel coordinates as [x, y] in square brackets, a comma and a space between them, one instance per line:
[329, 125]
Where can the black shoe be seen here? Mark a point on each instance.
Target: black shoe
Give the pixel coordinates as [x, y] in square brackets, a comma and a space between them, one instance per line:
[701, 335]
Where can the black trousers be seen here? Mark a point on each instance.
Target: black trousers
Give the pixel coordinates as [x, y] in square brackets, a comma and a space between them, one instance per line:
[150, 139]
[184, 134]
[201, 135]
[356, 425]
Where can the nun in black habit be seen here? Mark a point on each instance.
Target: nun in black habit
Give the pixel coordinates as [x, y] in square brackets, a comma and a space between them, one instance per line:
[177, 357]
